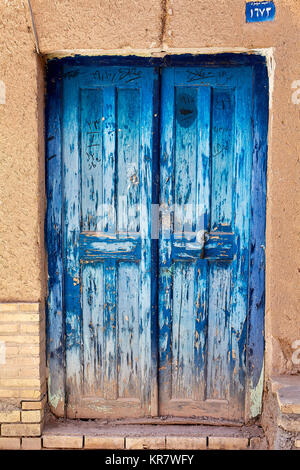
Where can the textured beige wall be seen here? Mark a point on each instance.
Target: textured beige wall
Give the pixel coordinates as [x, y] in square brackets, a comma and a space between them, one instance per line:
[70, 25]
[21, 192]
[97, 24]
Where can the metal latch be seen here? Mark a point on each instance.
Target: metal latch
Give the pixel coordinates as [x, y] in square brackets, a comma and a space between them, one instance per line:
[202, 237]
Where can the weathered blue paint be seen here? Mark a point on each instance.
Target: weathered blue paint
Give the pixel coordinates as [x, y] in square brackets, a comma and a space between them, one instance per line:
[165, 248]
[212, 187]
[218, 246]
[96, 246]
[107, 174]
[221, 60]
[154, 244]
[53, 236]
[101, 349]
[256, 329]
[260, 11]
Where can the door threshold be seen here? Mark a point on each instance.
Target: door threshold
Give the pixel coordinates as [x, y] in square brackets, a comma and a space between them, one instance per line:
[167, 421]
[99, 434]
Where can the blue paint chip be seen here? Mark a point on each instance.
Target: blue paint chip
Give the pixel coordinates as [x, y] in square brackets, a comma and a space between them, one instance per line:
[258, 12]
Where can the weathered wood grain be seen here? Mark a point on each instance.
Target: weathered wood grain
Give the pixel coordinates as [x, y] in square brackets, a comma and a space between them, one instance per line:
[256, 326]
[54, 234]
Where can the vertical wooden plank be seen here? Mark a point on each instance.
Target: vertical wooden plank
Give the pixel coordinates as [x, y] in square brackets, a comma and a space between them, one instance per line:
[128, 188]
[72, 215]
[91, 159]
[219, 311]
[128, 331]
[147, 117]
[202, 223]
[109, 159]
[165, 246]
[222, 158]
[93, 330]
[185, 160]
[110, 334]
[54, 240]
[240, 272]
[154, 262]
[201, 302]
[256, 342]
[183, 331]
[203, 158]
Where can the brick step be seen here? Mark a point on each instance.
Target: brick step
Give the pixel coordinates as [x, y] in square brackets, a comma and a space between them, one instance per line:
[285, 413]
[91, 435]
[287, 390]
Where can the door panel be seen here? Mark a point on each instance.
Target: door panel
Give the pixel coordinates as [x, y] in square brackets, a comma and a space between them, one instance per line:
[205, 192]
[107, 174]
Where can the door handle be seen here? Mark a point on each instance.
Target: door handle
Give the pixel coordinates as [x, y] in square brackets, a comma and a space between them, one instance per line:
[202, 237]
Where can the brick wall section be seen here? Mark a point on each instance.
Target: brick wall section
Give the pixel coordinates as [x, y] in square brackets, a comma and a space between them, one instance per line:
[22, 371]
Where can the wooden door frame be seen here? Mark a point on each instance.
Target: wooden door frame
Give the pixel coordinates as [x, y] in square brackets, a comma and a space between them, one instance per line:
[54, 218]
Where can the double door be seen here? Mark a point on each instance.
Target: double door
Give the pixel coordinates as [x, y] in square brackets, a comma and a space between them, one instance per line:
[156, 214]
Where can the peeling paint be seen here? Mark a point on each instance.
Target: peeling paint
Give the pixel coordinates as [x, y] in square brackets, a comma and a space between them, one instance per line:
[256, 396]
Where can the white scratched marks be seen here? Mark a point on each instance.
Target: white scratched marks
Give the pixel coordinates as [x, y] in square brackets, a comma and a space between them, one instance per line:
[2, 92]
[2, 353]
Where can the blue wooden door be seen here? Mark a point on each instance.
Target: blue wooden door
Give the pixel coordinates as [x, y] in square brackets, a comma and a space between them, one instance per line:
[109, 174]
[107, 196]
[205, 180]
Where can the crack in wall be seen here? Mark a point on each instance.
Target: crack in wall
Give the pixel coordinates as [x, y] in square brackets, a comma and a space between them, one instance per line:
[164, 18]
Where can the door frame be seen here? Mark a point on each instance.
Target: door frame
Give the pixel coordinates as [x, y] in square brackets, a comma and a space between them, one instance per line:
[54, 218]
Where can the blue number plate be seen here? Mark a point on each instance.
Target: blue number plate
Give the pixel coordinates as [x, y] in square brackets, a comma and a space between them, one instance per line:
[260, 11]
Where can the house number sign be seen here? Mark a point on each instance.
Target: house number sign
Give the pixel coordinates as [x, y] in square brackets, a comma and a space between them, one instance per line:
[260, 11]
